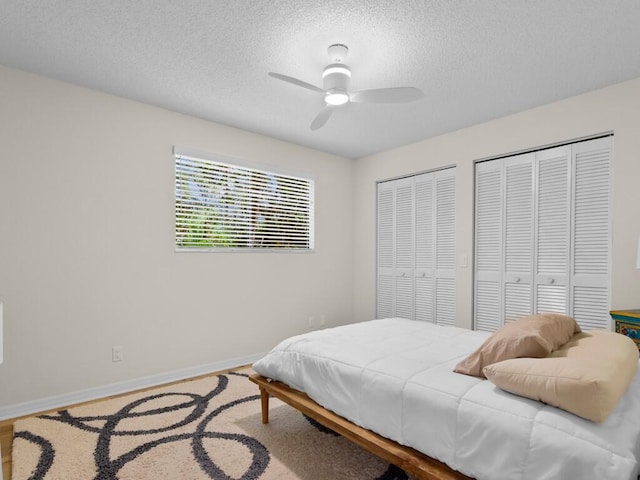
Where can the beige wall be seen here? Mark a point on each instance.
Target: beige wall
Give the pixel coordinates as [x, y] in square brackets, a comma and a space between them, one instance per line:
[86, 232]
[615, 108]
[87, 255]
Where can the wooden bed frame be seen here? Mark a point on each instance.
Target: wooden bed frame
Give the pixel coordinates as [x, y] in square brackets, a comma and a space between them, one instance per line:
[410, 460]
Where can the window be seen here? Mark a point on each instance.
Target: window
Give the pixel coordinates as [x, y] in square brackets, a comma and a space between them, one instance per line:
[224, 205]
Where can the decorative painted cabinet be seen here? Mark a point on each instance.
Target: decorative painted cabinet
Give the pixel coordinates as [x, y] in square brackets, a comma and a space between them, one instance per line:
[628, 323]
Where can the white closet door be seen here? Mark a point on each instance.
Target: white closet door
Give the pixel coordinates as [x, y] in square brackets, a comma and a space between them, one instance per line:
[416, 248]
[504, 240]
[591, 227]
[488, 246]
[404, 227]
[385, 257]
[542, 235]
[553, 230]
[518, 237]
[445, 246]
[424, 251]
[395, 249]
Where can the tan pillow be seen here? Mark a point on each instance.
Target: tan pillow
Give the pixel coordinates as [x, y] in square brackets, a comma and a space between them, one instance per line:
[532, 336]
[586, 377]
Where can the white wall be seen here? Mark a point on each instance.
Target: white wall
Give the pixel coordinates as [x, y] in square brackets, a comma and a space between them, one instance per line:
[615, 108]
[87, 255]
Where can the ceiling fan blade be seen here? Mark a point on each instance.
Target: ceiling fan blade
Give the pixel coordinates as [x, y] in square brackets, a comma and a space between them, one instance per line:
[295, 81]
[321, 118]
[387, 95]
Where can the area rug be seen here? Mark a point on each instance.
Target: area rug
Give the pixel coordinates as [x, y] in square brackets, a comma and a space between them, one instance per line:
[202, 429]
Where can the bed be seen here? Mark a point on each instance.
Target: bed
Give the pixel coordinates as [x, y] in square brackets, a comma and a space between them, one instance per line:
[389, 385]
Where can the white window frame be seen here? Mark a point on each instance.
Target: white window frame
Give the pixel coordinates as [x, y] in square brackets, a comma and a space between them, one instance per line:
[245, 227]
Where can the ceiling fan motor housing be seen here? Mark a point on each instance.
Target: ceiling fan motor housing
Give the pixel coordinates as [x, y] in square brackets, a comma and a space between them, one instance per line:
[337, 52]
[336, 77]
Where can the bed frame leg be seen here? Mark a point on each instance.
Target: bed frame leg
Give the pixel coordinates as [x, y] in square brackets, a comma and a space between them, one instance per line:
[264, 402]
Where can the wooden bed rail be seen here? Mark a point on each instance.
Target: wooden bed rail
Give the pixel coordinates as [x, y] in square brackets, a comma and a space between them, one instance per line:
[410, 460]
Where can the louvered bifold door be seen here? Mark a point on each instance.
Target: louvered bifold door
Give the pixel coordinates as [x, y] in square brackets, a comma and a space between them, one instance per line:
[445, 246]
[518, 237]
[416, 247]
[591, 238]
[553, 223]
[385, 251]
[488, 246]
[404, 239]
[424, 251]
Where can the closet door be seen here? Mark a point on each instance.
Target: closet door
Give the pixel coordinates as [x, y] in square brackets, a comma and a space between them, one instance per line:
[445, 246]
[553, 223]
[542, 241]
[518, 234]
[416, 248]
[385, 251]
[590, 232]
[504, 240]
[425, 210]
[395, 255]
[404, 256]
[488, 246]
[435, 243]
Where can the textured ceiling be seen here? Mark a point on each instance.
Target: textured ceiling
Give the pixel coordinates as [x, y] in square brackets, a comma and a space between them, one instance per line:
[474, 60]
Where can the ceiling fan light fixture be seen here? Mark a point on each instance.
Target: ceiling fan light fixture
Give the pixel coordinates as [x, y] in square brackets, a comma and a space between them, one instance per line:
[336, 98]
[336, 78]
[336, 68]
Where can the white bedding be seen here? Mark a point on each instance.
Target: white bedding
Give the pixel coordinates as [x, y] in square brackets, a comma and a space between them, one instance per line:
[395, 377]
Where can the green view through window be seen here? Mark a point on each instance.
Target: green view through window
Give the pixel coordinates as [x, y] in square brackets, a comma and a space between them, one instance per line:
[221, 205]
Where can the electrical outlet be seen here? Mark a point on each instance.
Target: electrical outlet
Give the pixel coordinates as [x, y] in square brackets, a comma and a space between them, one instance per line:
[116, 354]
[312, 322]
[323, 320]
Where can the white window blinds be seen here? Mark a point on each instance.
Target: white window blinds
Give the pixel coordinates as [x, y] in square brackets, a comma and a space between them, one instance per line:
[220, 205]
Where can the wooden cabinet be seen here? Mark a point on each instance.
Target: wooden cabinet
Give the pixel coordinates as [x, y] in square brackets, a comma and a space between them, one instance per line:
[627, 322]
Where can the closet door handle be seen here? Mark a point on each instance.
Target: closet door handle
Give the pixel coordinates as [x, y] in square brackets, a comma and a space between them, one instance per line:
[552, 280]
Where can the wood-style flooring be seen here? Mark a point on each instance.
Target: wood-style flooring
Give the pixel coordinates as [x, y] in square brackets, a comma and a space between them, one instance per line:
[6, 426]
[6, 438]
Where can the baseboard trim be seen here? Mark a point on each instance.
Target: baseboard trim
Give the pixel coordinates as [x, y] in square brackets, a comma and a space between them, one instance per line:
[66, 399]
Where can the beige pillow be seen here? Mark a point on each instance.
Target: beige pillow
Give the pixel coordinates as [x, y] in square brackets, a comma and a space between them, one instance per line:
[586, 377]
[532, 336]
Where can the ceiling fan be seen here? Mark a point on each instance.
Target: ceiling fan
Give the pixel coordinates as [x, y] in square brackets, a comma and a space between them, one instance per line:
[335, 80]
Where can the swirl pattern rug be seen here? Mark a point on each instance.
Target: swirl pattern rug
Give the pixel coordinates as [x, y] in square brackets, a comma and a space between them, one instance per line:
[202, 429]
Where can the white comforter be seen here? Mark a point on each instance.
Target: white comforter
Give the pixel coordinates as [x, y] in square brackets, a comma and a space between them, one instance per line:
[395, 377]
